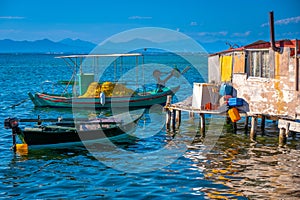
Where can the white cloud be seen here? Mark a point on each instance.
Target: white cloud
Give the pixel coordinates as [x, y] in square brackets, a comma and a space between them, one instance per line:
[289, 34]
[221, 33]
[284, 21]
[11, 17]
[247, 33]
[139, 17]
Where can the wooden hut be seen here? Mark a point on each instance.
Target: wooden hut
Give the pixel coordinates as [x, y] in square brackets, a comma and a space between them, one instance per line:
[265, 75]
[267, 80]
[260, 80]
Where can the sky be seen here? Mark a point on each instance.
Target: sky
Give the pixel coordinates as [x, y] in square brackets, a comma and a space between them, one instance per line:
[208, 22]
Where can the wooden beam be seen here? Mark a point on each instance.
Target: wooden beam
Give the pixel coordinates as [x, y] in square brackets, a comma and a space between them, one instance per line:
[289, 125]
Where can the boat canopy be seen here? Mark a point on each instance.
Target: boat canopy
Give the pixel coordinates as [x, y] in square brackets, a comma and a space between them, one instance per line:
[86, 67]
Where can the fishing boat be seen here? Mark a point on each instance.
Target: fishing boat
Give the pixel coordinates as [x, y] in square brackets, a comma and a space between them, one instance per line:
[111, 90]
[61, 131]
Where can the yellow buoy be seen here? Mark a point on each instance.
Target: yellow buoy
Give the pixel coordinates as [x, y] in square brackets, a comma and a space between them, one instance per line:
[22, 149]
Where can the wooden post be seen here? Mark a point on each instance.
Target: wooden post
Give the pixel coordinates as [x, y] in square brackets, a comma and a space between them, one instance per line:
[168, 102]
[263, 124]
[253, 128]
[191, 115]
[246, 124]
[287, 130]
[178, 118]
[173, 121]
[202, 125]
[282, 137]
[168, 112]
[234, 125]
[228, 120]
[168, 119]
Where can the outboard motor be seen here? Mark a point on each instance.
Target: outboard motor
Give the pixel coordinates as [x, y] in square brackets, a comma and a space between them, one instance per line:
[13, 123]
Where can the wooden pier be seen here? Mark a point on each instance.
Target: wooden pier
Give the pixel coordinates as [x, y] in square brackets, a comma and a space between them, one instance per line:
[174, 113]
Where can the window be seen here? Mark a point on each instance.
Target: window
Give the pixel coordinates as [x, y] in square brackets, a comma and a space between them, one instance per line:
[258, 63]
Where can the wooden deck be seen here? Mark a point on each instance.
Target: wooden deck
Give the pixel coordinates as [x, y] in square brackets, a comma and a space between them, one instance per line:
[173, 119]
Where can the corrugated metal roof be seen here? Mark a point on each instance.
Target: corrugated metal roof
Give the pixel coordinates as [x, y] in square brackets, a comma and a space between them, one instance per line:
[260, 44]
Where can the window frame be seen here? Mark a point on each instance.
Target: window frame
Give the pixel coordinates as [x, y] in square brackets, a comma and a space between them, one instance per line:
[262, 63]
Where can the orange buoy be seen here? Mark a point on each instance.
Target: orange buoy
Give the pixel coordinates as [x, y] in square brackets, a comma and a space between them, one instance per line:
[234, 114]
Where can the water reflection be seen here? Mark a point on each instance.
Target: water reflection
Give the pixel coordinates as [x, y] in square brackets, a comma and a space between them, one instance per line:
[259, 170]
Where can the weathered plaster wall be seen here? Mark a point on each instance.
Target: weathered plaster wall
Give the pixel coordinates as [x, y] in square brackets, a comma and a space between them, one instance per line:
[271, 96]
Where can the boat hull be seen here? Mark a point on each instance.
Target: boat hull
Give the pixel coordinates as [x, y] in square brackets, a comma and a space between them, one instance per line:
[56, 101]
[77, 130]
[39, 137]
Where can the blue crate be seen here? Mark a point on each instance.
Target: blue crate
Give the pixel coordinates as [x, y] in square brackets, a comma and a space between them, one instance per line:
[225, 89]
[235, 102]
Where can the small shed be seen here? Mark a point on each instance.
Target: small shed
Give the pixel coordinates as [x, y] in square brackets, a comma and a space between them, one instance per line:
[267, 78]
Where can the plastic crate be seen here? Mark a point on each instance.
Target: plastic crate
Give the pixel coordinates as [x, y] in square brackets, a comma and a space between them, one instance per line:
[235, 102]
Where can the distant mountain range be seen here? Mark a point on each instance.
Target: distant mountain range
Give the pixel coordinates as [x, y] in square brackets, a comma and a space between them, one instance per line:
[83, 47]
[46, 46]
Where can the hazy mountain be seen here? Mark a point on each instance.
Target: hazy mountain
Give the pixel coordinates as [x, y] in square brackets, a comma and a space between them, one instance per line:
[144, 46]
[45, 46]
[79, 46]
[78, 43]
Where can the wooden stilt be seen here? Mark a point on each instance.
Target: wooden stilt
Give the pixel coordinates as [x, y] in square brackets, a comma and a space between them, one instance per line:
[168, 102]
[253, 128]
[191, 115]
[228, 120]
[173, 120]
[178, 119]
[246, 124]
[287, 130]
[263, 123]
[168, 119]
[282, 137]
[202, 125]
[234, 125]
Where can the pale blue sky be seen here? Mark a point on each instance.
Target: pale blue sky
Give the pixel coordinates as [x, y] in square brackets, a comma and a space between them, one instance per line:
[207, 22]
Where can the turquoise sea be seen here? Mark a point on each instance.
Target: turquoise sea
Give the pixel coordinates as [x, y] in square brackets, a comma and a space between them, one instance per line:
[154, 166]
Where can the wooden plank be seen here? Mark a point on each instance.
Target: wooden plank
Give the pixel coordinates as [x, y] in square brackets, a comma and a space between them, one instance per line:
[289, 125]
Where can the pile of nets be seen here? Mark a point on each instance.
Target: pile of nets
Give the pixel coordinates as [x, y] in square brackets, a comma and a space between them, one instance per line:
[110, 89]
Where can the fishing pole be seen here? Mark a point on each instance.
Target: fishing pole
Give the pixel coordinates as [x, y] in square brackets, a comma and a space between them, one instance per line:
[17, 104]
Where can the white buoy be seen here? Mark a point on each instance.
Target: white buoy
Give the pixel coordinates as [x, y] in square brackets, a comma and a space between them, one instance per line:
[102, 98]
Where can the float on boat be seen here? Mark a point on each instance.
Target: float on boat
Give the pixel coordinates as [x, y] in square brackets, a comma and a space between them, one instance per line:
[61, 131]
[92, 93]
